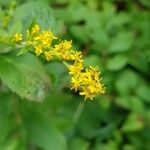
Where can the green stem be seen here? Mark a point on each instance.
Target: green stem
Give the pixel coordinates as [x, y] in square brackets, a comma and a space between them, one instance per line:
[78, 112]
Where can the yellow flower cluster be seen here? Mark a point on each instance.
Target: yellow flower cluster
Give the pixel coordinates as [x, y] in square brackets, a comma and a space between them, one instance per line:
[87, 82]
[84, 80]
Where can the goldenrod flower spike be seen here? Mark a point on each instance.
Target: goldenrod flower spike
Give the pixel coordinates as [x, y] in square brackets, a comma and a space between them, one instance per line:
[84, 80]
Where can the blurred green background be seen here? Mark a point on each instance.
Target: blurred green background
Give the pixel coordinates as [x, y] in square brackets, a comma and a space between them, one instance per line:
[112, 34]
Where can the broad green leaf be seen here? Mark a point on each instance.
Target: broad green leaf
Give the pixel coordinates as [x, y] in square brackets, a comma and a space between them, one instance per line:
[133, 123]
[117, 62]
[5, 2]
[83, 36]
[11, 145]
[5, 110]
[92, 60]
[132, 103]
[99, 36]
[73, 15]
[44, 135]
[139, 61]
[128, 147]
[145, 3]
[143, 91]
[122, 18]
[111, 144]
[58, 74]
[23, 50]
[126, 81]
[34, 10]
[79, 144]
[24, 75]
[121, 43]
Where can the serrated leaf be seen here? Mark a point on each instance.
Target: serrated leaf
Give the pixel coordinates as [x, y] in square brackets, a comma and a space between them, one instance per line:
[24, 75]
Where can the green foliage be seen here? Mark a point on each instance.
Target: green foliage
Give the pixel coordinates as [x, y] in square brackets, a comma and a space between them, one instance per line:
[38, 11]
[113, 35]
[24, 75]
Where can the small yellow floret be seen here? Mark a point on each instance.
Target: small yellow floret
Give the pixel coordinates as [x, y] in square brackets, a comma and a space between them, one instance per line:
[48, 55]
[17, 37]
[76, 68]
[38, 50]
[63, 46]
[45, 38]
[35, 29]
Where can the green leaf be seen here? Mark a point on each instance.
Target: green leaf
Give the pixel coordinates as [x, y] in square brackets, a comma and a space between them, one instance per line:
[133, 123]
[5, 2]
[92, 60]
[83, 36]
[79, 144]
[139, 61]
[24, 75]
[121, 43]
[5, 111]
[99, 36]
[11, 145]
[45, 135]
[128, 147]
[126, 82]
[143, 91]
[73, 15]
[117, 62]
[58, 74]
[132, 103]
[111, 144]
[146, 3]
[23, 51]
[34, 10]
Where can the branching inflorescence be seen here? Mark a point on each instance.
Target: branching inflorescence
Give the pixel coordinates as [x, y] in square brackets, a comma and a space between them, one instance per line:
[84, 80]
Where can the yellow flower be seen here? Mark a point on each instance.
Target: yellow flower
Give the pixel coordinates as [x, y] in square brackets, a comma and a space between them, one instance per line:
[38, 50]
[17, 37]
[91, 90]
[94, 73]
[76, 56]
[35, 29]
[48, 55]
[65, 55]
[76, 68]
[45, 38]
[76, 82]
[62, 50]
[87, 82]
[63, 46]
[87, 94]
